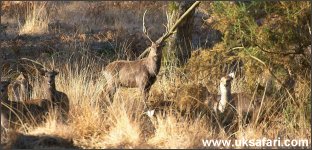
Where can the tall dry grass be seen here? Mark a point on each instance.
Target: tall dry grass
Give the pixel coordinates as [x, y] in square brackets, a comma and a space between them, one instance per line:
[123, 124]
[36, 19]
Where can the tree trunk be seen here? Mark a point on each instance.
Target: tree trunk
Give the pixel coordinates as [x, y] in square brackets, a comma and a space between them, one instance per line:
[180, 42]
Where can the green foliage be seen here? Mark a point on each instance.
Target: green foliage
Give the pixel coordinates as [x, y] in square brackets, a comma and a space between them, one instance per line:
[172, 6]
[255, 33]
[266, 30]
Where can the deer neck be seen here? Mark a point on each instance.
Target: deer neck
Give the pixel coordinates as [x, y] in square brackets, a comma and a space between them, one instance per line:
[154, 62]
[23, 86]
[225, 97]
[51, 90]
[23, 89]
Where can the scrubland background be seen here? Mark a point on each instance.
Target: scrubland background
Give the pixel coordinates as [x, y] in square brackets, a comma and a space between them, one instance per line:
[80, 38]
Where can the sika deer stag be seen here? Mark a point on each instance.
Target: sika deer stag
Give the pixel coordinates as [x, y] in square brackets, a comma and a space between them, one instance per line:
[18, 112]
[140, 73]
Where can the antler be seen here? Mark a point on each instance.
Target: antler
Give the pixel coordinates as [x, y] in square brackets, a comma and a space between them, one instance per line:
[144, 28]
[171, 31]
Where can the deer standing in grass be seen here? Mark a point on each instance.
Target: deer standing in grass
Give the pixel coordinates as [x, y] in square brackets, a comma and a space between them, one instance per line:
[59, 99]
[139, 73]
[229, 104]
[21, 88]
[19, 112]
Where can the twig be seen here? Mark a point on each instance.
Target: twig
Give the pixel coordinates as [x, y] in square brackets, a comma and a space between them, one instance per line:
[36, 62]
[278, 53]
[261, 104]
[14, 112]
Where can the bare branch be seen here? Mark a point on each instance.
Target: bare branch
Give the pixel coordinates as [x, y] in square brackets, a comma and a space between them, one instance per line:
[262, 62]
[277, 53]
[171, 31]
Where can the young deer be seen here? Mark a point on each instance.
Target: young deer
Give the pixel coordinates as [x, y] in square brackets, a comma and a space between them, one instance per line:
[17, 112]
[59, 99]
[229, 104]
[21, 88]
[140, 73]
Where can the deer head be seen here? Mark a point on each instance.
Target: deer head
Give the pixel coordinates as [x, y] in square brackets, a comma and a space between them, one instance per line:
[22, 78]
[49, 77]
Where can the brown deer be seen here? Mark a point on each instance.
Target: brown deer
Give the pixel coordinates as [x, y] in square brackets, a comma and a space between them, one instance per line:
[139, 73]
[59, 99]
[17, 112]
[21, 88]
[229, 104]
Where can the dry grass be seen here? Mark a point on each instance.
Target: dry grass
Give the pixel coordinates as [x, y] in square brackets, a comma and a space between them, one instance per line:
[36, 19]
[179, 132]
[123, 124]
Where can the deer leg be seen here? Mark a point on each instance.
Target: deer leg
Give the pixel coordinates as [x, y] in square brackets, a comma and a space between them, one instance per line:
[144, 92]
[145, 96]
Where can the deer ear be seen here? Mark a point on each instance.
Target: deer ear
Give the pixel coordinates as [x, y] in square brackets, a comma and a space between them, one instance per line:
[232, 75]
[55, 72]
